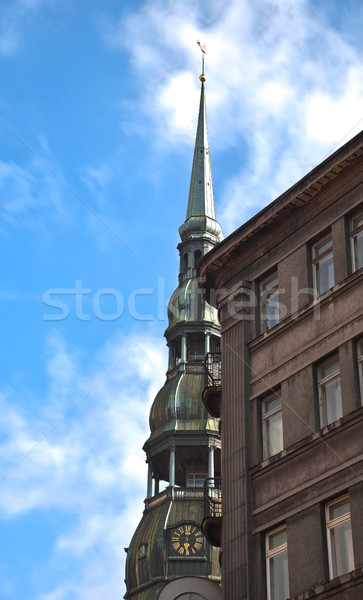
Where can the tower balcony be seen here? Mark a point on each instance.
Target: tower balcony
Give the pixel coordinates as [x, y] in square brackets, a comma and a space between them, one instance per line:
[175, 493]
[212, 393]
[212, 522]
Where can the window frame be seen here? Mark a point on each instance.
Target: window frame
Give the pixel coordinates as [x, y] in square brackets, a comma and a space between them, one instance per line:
[354, 233]
[332, 524]
[265, 296]
[196, 474]
[185, 263]
[142, 551]
[195, 347]
[197, 255]
[271, 554]
[322, 381]
[317, 259]
[265, 419]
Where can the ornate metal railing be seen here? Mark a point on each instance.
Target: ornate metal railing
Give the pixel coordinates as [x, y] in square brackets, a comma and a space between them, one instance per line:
[213, 369]
[213, 497]
[212, 392]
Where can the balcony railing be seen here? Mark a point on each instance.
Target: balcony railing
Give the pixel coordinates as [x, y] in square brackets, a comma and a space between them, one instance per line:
[178, 493]
[213, 497]
[212, 522]
[195, 367]
[189, 492]
[213, 383]
[213, 369]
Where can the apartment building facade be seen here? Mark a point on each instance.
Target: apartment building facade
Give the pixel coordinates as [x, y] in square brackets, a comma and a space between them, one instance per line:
[288, 286]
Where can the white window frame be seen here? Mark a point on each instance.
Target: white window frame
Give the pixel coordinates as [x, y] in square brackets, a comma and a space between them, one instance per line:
[322, 383]
[266, 293]
[355, 232]
[271, 554]
[266, 417]
[195, 476]
[331, 524]
[318, 259]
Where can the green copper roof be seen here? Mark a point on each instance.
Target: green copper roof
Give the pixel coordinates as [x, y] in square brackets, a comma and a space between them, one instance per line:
[150, 531]
[146, 576]
[178, 406]
[187, 304]
[201, 215]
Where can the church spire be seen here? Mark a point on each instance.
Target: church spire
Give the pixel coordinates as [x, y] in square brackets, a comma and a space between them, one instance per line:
[168, 556]
[201, 215]
[201, 196]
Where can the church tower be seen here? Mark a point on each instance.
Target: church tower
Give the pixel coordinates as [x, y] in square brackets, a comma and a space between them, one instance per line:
[169, 558]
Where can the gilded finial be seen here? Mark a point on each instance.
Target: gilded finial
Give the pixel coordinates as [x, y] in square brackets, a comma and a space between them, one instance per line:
[202, 77]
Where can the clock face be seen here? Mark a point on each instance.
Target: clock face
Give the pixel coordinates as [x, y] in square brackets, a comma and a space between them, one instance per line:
[187, 541]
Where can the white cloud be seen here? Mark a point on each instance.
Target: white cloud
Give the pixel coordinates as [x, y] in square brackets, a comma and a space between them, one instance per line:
[275, 94]
[15, 18]
[275, 85]
[31, 195]
[61, 368]
[91, 463]
[9, 39]
[37, 196]
[180, 116]
[337, 117]
[112, 407]
[97, 179]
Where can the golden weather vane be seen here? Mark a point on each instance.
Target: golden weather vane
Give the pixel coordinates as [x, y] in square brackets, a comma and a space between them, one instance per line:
[202, 47]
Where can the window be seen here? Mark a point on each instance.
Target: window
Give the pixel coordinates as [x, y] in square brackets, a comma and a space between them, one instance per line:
[330, 396]
[185, 263]
[196, 480]
[188, 305]
[197, 256]
[200, 306]
[272, 426]
[196, 347]
[357, 241]
[269, 301]
[141, 552]
[276, 565]
[360, 368]
[215, 344]
[339, 534]
[323, 266]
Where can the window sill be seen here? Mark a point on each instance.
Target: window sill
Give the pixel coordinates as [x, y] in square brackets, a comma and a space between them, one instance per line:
[304, 444]
[333, 589]
[306, 311]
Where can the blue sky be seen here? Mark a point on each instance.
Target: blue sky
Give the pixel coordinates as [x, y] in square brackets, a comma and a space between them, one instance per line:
[98, 107]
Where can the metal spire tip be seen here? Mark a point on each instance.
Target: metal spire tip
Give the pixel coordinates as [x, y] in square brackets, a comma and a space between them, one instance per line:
[202, 77]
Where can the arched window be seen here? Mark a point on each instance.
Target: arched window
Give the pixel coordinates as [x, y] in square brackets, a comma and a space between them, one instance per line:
[200, 306]
[215, 344]
[188, 305]
[195, 347]
[185, 262]
[197, 256]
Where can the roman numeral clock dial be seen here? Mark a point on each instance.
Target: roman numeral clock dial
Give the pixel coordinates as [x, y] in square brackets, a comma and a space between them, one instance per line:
[187, 541]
